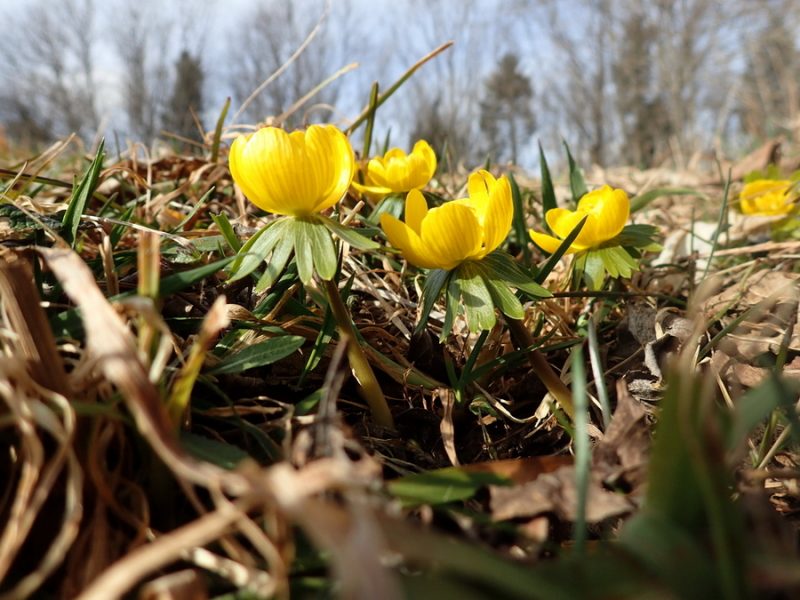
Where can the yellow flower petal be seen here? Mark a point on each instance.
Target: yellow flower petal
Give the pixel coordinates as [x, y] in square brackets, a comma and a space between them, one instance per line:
[606, 211]
[397, 171]
[332, 160]
[451, 234]
[610, 209]
[460, 230]
[767, 197]
[416, 210]
[499, 214]
[373, 192]
[245, 174]
[293, 174]
[402, 237]
[425, 159]
[271, 157]
[478, 186]
[562, 221]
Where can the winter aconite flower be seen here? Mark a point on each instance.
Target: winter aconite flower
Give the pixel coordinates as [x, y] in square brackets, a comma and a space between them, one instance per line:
[398, 172]
[768, 197]
[460, 230]
[298, 174]
[606, 211]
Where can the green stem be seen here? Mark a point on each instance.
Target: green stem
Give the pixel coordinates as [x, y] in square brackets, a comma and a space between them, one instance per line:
[522, 339]
[370, 388]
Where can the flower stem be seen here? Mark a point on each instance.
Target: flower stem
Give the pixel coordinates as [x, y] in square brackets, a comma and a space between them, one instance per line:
[370, 388]
[522, 338]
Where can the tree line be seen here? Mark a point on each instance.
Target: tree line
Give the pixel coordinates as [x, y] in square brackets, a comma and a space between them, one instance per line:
[639, 82]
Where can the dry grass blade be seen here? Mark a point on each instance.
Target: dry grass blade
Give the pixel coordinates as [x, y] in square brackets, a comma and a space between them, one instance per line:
[300, 49]
[33, 385]
[216, 320]
[121, 576]
[27, 319]
[40, 478]
[111, 344]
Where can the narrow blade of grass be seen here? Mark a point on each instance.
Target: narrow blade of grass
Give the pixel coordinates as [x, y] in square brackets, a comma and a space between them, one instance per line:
[548, 192]
[259, 355]
[80, 196]
[520, 228]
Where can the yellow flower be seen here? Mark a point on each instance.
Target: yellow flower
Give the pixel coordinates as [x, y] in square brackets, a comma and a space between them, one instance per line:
[607, 211]
[460, 230]
[767, 197]
[298, 174]
[396, 171]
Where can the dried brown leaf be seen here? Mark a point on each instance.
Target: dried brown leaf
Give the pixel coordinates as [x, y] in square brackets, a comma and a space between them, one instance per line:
[623, 450]
[446, 426]
[557, 493]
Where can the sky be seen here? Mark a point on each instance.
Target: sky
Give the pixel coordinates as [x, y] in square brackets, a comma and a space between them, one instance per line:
[385, 37]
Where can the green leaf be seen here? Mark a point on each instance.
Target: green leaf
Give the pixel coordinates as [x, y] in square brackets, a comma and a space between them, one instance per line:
[434, 284]
[618, 262]
[215, 141]
[475, 295]
[548, 192]
[590, 266]
[118, 230]
[259, 355]
[200, 245]
[669, 556]
[452, 303]
[210, 450]
[442, 486]
[325, 335]
[278, 260]
[690, 482]
[226, 229]
[308, 404]
[595, 263]
[520, 228]
[257, 248]
[197, 206]
[500, 266]
[772, 171]
[504, 299]
[642, 200]
[323, 252]
[373, 100]
[349, 235]
[80, 196]
[560, 251]
[392, 204]
[303, 254]
[576, 183]
[634, 236]
[178, 281]
[758, 404]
